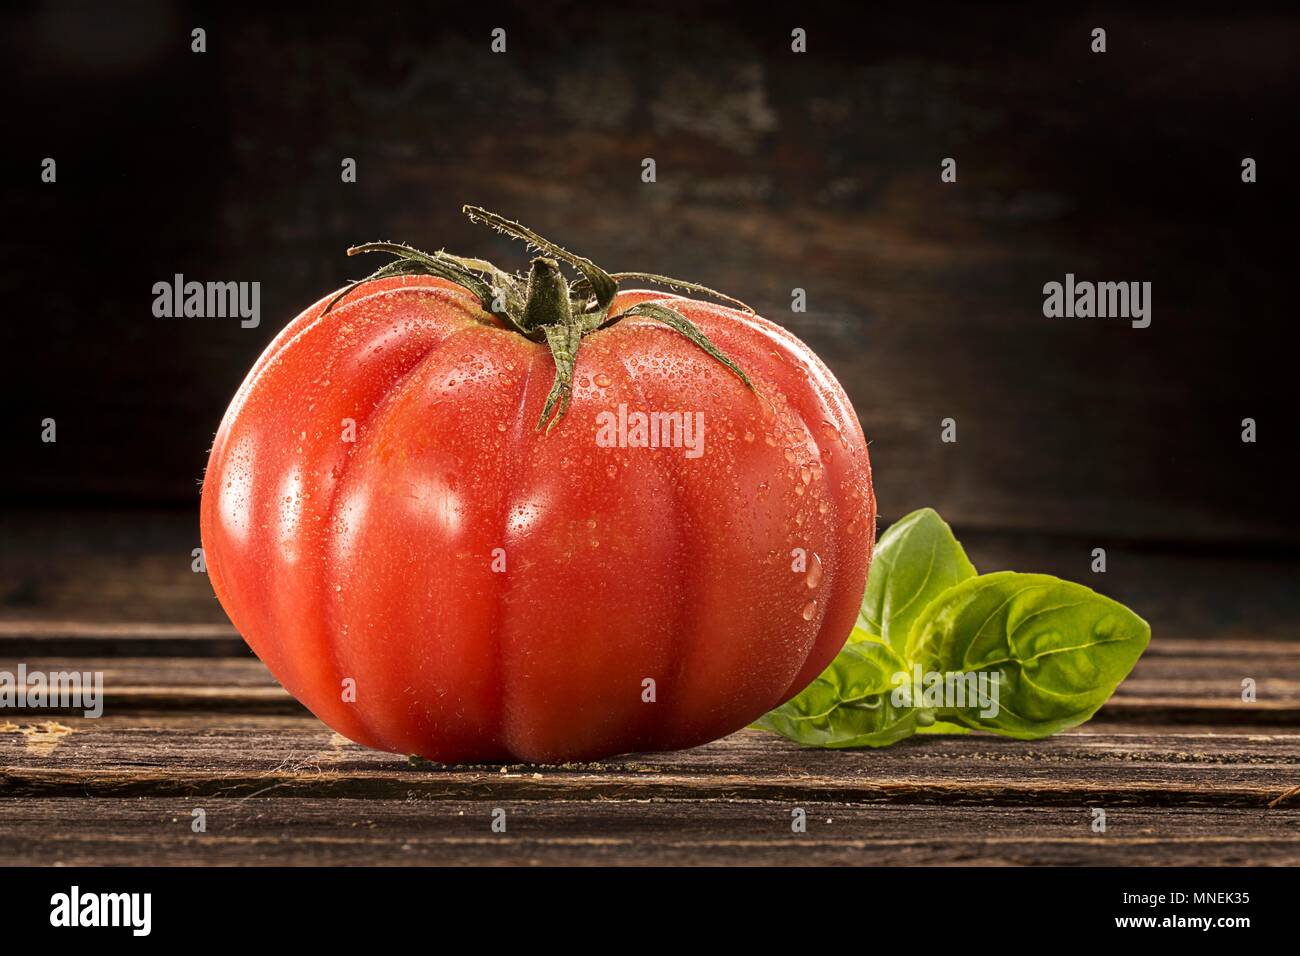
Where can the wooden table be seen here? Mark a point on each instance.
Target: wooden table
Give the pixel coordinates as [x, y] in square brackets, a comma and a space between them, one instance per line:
[1186, 772]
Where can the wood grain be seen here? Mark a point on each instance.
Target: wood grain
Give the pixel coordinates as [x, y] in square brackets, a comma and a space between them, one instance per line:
[98, 758]
[775, 171]
[286, 790]
[731, 832]
[1187, 772]
[1175, 681]
[62, 567]
[280, 787]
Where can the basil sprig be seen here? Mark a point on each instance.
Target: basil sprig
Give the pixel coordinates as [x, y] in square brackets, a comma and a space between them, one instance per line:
[916, 560]
[1057, 650]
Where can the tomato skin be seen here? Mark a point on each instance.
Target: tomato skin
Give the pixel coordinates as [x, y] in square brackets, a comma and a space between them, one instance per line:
[373, 559]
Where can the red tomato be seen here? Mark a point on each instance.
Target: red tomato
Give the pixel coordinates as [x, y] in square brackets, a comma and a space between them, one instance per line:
[457, 584]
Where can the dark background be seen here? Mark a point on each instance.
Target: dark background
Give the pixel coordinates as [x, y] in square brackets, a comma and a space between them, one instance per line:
[775, 170]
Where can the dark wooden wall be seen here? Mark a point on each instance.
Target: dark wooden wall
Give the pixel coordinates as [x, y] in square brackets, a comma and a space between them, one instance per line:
[775, 170]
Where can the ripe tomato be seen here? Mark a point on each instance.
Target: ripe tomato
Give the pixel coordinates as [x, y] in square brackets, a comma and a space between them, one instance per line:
[430, 573]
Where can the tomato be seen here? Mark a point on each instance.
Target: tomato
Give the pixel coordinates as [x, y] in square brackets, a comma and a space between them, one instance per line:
[431, 573]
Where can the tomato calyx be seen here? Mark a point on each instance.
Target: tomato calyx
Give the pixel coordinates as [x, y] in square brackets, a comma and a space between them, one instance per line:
[544, 306]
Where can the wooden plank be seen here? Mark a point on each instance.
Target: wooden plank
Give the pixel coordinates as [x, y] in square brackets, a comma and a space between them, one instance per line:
[1123, 708]
[422, 831]
[104, 567]
[1169, 668]
[79, 639]
[299, 757]
[78, 574]
[1175, 682]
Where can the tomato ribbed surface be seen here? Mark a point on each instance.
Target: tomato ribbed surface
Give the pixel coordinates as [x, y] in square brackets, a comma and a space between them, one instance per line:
[431, 575]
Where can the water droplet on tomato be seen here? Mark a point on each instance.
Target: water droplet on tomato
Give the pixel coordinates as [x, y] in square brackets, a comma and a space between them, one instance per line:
[809, 610]
[832, 432]
[814, 577]
[602, 380]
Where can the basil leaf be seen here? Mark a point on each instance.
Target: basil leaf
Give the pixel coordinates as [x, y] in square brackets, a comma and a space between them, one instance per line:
[849, 705]
[1060, 649]
[941, 727]
[916, 560]
[858, 635]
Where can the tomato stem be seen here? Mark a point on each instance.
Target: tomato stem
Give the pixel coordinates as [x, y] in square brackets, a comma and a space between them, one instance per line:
[544, 307]
[548, 296]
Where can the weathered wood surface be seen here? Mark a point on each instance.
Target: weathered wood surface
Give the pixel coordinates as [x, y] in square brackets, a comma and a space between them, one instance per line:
[286, 790]
[775, 171]
[61, 567]
[1186, 771]
[421, 831]
[297, 757]
[1176, 681]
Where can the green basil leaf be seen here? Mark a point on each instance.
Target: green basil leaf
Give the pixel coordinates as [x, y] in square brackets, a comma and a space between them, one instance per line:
[850, 704]
[1060, 649]
[858, 635]
[941, 727]
[916, 560]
